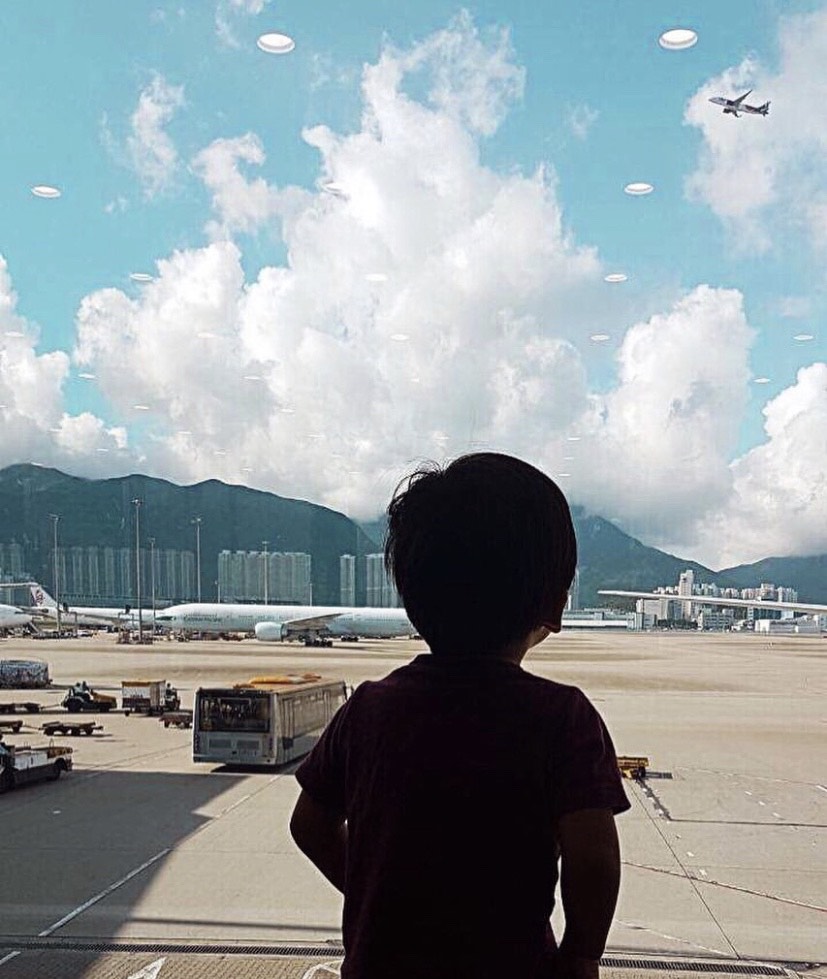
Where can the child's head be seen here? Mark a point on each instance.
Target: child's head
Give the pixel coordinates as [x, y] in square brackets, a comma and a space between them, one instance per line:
[482, 552]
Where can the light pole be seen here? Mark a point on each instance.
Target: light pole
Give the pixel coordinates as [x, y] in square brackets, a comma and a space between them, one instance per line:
[266, 574]
[54, 517]
[152, 577]
[137, 503]
[197, 522]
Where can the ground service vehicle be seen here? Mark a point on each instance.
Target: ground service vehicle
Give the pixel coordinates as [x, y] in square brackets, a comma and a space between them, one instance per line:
[148, 696]
[21, 763]
[73, 728]
[81, 696]
[19, 706]
[267, 721]
[22, 673]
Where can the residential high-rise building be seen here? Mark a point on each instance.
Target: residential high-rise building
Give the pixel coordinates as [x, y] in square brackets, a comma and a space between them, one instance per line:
[347, 580]
[686, 584]
[573, 601]
[381, 591]
[241, 576]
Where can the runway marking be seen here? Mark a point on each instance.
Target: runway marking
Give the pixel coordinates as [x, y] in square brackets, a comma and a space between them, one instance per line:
[102, 894]
[732, 887]
[673, 938]
[150, 971]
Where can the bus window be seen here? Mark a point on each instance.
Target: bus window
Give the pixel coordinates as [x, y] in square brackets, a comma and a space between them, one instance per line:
[233, 712]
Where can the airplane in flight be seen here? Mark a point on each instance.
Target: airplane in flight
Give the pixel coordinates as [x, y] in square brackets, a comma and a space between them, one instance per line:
[84, 615]
[805, 608]
[272, 623]
[734, 107]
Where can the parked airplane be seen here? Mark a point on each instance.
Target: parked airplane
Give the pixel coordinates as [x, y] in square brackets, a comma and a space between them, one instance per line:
[11, 617]
[270, 623]
[804, 607]
[734, 107]
[43, 602]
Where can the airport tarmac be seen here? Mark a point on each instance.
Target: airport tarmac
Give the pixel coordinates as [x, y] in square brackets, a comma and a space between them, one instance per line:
[140, 855]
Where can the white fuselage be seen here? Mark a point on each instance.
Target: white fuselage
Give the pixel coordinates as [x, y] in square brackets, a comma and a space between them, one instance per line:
[338, 620]
[12, 617]
[87, 615]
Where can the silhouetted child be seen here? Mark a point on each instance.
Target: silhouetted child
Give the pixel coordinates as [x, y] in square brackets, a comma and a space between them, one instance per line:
[441, 798]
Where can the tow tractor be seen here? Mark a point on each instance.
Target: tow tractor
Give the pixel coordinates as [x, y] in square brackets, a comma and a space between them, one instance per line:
[81, 696]
[22, 763]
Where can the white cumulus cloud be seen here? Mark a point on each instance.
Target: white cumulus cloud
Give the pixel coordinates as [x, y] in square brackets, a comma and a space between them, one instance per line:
[758, 174]
[151, 151]
[428, 305]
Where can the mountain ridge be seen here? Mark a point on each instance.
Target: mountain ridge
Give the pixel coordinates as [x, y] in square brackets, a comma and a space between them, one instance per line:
[236, 517]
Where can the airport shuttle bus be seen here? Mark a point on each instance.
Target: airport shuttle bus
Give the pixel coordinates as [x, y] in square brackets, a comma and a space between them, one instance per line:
[267, 721]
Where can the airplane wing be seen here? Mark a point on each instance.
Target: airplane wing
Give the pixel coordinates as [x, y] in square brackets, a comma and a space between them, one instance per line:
[804, 607]
[741, 98]
[310, 622]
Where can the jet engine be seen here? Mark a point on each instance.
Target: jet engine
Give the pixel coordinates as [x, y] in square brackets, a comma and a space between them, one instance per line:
[270, 632]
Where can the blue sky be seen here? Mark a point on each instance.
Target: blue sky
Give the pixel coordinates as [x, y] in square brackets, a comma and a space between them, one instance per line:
[124, 107]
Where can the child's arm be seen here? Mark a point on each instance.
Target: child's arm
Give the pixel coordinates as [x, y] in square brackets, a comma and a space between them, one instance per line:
[589, 882]
[322, 836]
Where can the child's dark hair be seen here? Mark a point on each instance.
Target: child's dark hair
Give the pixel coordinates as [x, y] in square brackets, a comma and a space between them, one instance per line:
[480, 551]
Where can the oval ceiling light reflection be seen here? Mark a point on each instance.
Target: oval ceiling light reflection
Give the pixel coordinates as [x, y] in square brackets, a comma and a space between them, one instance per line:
[804, 337]
[140, 277]
[46, 191]
[275, 43]
[599, 337]
[638, 188]
[332, 187]
[678, 39]
[615, 277]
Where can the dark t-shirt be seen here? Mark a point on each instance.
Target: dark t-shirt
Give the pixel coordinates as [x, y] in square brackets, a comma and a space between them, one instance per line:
[451, 773]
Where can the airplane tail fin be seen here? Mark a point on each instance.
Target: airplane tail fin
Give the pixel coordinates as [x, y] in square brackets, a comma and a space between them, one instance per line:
[765, 109]
[41, 598]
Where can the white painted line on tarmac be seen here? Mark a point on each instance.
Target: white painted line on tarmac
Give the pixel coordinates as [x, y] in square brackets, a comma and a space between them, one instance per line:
[101, 895]
[674, 938]
[150, 971]
[237, 803]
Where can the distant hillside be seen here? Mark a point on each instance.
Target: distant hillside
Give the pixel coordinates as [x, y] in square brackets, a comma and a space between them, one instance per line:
[808, 575]
[608, 558]
[99, 512]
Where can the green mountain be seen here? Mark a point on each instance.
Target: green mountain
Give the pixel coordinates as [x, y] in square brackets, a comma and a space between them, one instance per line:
[808, 575]
[100, 514]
